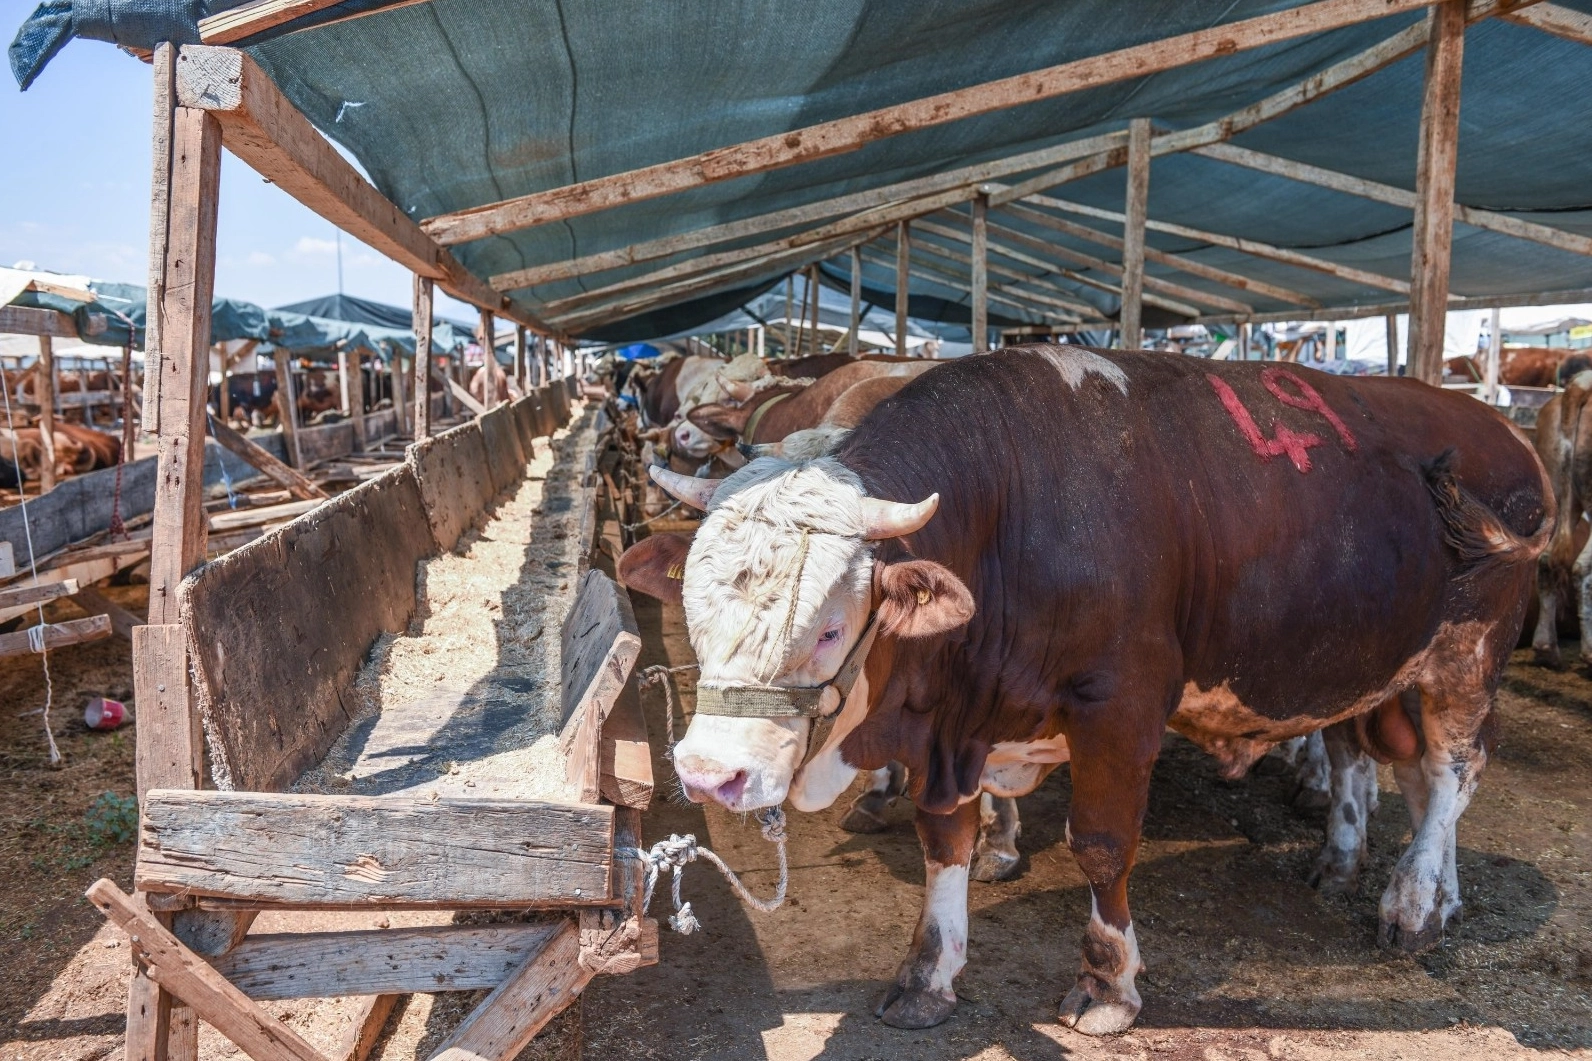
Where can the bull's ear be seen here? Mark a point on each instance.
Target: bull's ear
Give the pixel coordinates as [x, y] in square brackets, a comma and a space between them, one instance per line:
[723, 422]
[656, 566]
[919, 598]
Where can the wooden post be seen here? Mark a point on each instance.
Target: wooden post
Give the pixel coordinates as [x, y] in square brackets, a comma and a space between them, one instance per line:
[488, 360]
[1495, 350]
[129, 436]
[980, 274]
[400, 393]
[1433, 232]
[353, 397]
[790, 307]
[812, 292]
[856, 300]
[224, 401]
[1137, 212]
[287, 406]
[902, 282]
[1243, 341]
[44, 389]
[1392, 344]
[520, 380]
[169, 746]
[422, 366]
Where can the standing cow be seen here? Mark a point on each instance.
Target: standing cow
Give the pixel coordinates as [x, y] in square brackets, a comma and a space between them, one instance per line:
[1136, 544]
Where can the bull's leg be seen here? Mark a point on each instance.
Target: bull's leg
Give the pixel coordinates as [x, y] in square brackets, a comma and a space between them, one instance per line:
[1110, 788]
[1582, 572]
[1545, 639]
[922, 995]
[1423, 895]
[885, 785]
[1337, 868]
[1313, 785]
[995, 858]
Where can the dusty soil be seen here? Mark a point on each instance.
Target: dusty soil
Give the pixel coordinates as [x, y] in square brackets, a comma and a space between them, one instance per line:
[1245, 961]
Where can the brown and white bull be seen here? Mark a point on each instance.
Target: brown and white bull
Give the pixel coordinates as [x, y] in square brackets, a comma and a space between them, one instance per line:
[1136, 545]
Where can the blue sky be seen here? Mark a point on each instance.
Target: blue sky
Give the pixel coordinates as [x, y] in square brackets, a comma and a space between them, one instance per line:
[74, 191]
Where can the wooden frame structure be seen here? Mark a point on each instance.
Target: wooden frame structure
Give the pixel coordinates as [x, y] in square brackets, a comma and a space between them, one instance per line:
[190, 916]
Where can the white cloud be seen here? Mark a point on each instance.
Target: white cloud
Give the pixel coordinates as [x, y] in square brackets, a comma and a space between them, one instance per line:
[260, 258]
[309, 245]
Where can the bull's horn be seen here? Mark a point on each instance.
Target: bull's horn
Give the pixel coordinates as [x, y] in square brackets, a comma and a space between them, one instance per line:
[892, 519]
[751, 452]
[698, 493]
[738, 390]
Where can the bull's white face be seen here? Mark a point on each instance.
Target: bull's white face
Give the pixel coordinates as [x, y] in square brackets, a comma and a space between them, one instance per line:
[689, 440]
[777, 590]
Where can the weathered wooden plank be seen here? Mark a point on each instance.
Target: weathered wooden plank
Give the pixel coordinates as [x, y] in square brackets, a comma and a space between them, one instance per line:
[381, 961]
[287, 406]
[1557, 19]
[23, 596]
[122, 621]
[455, 486]
[505, 459]
[445, 852]
[625, 762]
[262, 459]
[1432, 236]
[421, 368]
[903, 284]
[186, 975]
[58, 635]
[26, 320]
[1135, 211]
[464, 397]
[615, 941]
[525, 417]
[265, 130]
[849, 134]
[257, 514]
[279, 628]
[979, 239]
[600, 642]
[228, 27]
[361, 1038]
[351, 384]
[522, 1005]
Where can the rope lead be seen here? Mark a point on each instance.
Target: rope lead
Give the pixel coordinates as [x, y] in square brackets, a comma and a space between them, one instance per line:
[671, 856]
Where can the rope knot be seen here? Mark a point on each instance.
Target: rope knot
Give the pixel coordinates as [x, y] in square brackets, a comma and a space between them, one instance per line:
[672, 855]
[771, 820]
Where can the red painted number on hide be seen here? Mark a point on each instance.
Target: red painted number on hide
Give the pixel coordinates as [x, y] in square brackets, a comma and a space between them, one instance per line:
[1285, 441]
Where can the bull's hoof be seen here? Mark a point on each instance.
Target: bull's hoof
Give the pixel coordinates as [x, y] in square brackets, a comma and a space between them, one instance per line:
[1549, 658]
[863, 818]
[1084, 1013]
[1332, 878]
[991, 866]
[1419, 940]
[910, 1008]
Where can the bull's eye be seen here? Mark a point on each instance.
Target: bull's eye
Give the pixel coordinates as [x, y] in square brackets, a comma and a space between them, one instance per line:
[829, 636]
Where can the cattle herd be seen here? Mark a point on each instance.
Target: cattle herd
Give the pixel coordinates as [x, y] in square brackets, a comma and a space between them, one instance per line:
[954, 577]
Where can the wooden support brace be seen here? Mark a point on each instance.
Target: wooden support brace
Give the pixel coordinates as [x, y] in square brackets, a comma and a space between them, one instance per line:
[365, 1032]
[464, 397]
[121, 620]
[183, 973]
[18, 596]
[521, 1006]
[1135, 212]
[600, 645]
[262, 459]
[57, 635]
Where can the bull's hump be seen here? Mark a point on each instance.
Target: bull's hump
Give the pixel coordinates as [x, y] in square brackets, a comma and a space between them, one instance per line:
[1075, 364]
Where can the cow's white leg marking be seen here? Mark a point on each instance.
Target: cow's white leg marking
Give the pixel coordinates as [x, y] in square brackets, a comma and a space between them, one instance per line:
[924, 993]
[1315, 775]
[1353, 776]
[996, 856]
[1106, 999]
[884, 785]
[1423, 894]
[1545, 639]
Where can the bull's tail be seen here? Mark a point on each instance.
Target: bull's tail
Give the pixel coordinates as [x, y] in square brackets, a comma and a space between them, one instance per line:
[1475, 531]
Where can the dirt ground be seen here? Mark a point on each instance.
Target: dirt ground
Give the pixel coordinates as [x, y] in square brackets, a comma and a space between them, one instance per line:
[1244, 960]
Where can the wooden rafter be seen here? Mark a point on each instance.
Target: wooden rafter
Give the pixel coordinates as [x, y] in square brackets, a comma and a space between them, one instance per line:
[1048, 295]
[946, 277]
[1188, 265]
[25, 320]
[849, 134]
[262, 127]
[1556, 19]
[235, 25]
[1559, 239]
[1359, 311]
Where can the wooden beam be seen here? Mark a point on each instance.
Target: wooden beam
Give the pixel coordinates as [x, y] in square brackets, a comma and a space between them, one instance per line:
[1432, 236]
[464, 397]
[287, 406]
[978, 237]
[265, 130]
[25, 320]
[451, 853]
[188, 976]
[1392, 322]
[1246, 246]
[1068, 299]
[849, 134]
[399, 961]
[1557, 19]
[953, 266]
[44, 383]
[1194, 268]
[263, 460]
[398, 384]
[240, 23]
[902, 284]
[856, 300]
[509, 1018]
[1138, 201]
[625, 760]
[122, 621]
[1491, 220]
[18, 596]
[1362, 310]
[57, 635]
[362, 1035]
[422, 366]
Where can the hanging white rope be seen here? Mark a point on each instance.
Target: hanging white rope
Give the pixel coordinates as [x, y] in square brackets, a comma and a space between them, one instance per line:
[672, 855]
[35, 633]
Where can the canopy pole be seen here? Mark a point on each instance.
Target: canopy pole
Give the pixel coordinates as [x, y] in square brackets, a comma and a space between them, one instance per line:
[903, 281]
[489, 365]
[1433, 232]
[980, 274]
[287, 407]
[352, 401]
[1495, 350]
[812, 316]
[790, 306]
[1136, 213]
[422, 367]
[519, 358]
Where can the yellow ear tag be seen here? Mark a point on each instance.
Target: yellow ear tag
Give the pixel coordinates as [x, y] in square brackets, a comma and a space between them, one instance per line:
[924, 596]
[677, 572]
